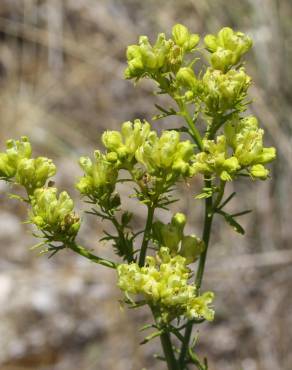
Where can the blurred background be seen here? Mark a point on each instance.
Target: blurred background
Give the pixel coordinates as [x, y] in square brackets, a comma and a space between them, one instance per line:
[61, 84]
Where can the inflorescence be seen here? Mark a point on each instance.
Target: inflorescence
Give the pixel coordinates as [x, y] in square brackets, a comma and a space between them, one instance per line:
[223, 143]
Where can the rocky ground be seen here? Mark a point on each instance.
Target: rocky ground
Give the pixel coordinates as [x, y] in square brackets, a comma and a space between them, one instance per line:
[61, 66]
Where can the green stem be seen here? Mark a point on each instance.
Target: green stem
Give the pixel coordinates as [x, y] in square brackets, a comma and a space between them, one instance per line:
[190, 122]
[208, 219]
[194, 131]
[218, 121]
[206, 236]
[195, 360]
[146, 237]
[200, 272]
[185, 345]
[165, 340]
[219, 196]
[85, 253]
[168, 351]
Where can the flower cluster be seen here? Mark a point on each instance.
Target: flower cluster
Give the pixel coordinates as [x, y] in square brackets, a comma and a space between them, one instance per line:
[227, 48]
[54, 215]
[16, 163]
[187, 79]
[122, 146]
[241, 148]
[33, 173]
[224, 91]
[183, 38]
[164, 56]
[100, 177]
[246, 140]
[172, 236]
[166, 155]
[214, 160]
[163, 282]
[16, 151]
[139, 150]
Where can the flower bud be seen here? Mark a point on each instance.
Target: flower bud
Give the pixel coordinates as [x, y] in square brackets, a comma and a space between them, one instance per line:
[222, 59]
[149, 58]
[183, 38]
[231, 164]
[7, 170]
[180, 34]
[249, 146]
[170, 236]
[211, 43]
[267, 155]
[225, 176]
[180, 167]
[167, 145]
[152, 57]
[34, 173]
[74, 228]
[100, 175]
[112, 140]
[259, 171]
[18, 149]
[228, 46]
[134, 134]
[122, 152]
[185, 150]
[192, 42]
[135, 68]
[15, 152]
[86, 163]
[178, 221]
[186, 77]
[225, 36]
[191, 248]
[133, 51]
[84, 186]
[71, 224]
[44, 168]
[54, 214]
[112, 157]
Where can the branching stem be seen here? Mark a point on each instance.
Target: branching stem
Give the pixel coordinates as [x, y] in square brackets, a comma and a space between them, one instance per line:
[200, 271]
[168, 352]
[150, 214]
[84, 252]
[208, 219]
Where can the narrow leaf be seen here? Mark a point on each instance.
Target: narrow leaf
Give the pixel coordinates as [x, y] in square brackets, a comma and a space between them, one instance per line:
[241, 213]
[234, 224]
[147, 326]
[152, 336]
[227, 200]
